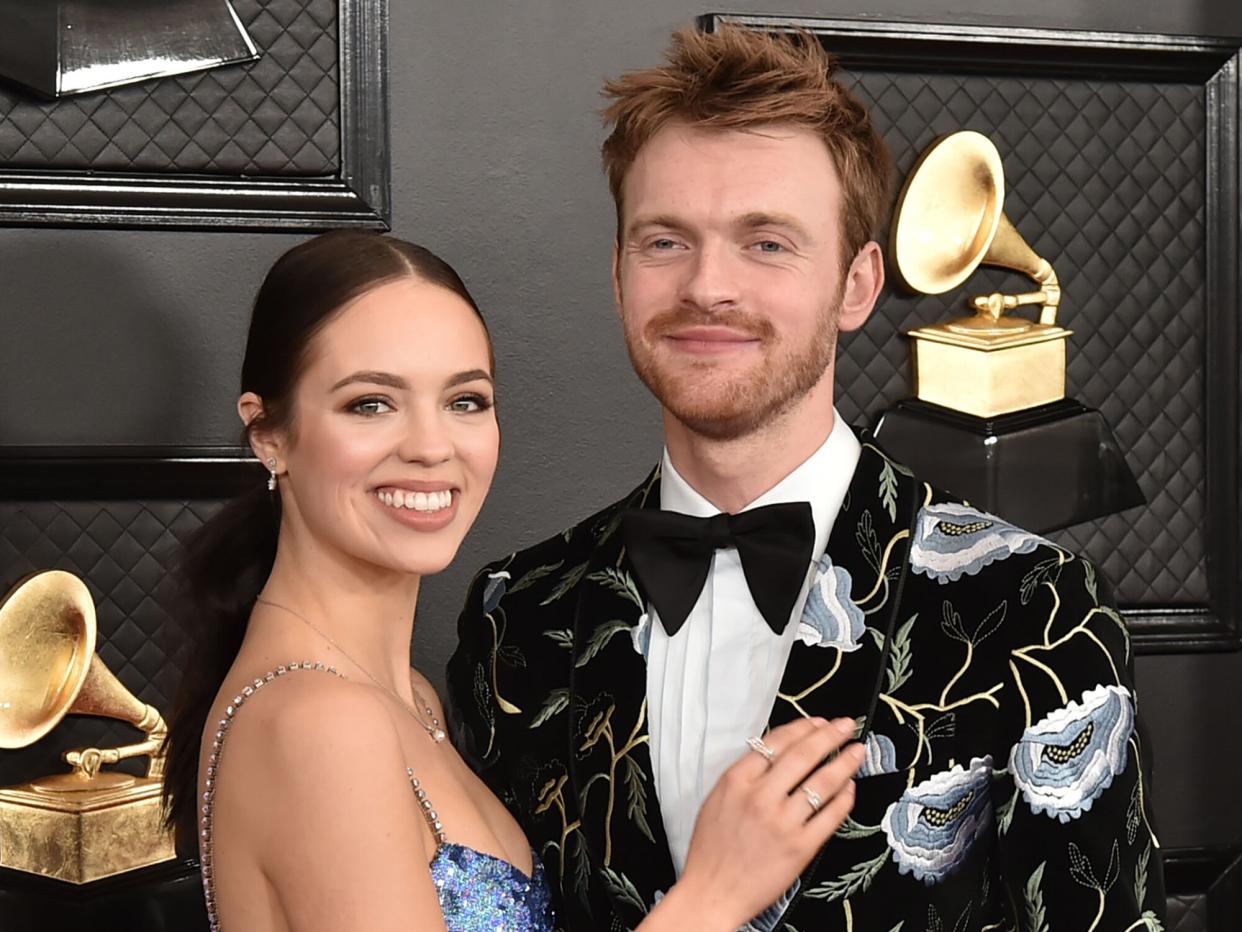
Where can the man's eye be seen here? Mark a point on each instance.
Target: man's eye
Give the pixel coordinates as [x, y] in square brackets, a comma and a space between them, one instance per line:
[768, 245]
[663, 243]
[369, 407]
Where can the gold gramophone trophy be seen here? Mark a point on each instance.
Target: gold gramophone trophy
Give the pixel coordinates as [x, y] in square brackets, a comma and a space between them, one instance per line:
[88, 823]
[990, 420]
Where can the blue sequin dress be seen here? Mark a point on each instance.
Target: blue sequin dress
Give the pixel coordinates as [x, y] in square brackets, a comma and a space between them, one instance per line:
[482, 893]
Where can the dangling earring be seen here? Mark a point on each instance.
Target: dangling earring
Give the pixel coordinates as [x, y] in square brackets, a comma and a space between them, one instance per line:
[271, 480]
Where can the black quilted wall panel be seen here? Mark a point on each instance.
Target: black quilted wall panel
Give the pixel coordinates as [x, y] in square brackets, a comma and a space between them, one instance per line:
[1106, 179]
[122, 549]
[276, 116]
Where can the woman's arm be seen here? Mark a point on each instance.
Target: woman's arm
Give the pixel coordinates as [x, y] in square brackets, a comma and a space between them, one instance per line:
[331, 814]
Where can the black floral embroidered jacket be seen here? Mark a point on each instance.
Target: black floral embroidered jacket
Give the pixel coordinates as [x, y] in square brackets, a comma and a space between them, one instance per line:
[989, 680]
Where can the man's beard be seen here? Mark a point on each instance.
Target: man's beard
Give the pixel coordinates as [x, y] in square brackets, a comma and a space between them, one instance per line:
[726, 407]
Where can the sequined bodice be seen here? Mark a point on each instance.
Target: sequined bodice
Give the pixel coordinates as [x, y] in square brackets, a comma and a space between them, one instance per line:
[478, 892]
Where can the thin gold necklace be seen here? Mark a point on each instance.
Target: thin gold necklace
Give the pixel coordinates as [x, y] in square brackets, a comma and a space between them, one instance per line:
[434, 731]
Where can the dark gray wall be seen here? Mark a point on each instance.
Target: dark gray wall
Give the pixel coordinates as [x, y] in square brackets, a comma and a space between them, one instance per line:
[136, 337]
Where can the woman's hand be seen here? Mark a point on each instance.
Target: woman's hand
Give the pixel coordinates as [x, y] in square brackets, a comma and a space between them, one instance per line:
[758, 830]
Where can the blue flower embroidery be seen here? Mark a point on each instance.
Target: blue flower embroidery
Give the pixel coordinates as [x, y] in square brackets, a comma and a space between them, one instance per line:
[881, 756]
[932, 826]
[830, 618]
[640, 635]
[955, 540]
[1065, 761]
[494, 590]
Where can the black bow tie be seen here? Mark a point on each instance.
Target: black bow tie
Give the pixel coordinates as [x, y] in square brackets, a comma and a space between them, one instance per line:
[672, 554]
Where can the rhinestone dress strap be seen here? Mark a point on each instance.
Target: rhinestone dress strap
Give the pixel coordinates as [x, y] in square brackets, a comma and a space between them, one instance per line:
[428, 810]
[206, 852]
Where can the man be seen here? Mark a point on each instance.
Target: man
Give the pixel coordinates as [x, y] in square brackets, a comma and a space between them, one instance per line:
[608, 676]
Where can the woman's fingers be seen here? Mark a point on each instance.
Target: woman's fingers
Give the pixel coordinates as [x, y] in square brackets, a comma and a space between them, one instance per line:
[817, 790]
[795, 762]
[753, 764]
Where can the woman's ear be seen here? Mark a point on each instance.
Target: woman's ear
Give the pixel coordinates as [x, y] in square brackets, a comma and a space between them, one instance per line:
[265, 444]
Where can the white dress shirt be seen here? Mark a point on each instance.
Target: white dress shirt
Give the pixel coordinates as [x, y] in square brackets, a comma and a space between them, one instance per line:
[712, 685]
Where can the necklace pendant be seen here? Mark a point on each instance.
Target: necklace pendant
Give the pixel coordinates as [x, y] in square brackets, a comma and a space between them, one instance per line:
[438, 735]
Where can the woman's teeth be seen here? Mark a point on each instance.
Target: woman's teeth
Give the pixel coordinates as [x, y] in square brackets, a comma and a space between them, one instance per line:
[416, 501]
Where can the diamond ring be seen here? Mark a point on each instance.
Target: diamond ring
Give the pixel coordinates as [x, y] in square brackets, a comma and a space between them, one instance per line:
[813, 798]
[759, 746]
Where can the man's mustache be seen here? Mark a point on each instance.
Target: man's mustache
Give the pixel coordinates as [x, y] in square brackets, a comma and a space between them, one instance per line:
[752, 325]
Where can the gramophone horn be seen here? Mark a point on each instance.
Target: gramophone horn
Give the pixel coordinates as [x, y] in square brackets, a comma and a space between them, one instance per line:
[48, 665]
[950, 220]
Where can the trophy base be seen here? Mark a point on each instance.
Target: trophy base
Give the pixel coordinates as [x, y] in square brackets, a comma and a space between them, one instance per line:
[83, 834]
[167, 897]
[989, 375]
[1043, 469]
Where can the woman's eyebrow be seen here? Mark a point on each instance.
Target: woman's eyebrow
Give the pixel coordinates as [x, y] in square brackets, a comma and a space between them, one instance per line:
[374, 378]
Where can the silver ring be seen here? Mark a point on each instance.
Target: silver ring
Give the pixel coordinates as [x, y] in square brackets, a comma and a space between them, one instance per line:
[760, 747]
[813, 798]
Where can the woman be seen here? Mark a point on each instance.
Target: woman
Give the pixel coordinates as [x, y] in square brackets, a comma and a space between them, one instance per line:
[307, 754]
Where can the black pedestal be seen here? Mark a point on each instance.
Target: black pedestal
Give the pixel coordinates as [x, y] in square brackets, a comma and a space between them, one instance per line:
[167, 897]
[1043, 469]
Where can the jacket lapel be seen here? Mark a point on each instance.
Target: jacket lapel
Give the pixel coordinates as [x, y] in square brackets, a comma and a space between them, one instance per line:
[846, 644]
[610, 752]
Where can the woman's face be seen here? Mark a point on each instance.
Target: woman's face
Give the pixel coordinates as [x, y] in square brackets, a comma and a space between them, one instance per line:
[394, 439]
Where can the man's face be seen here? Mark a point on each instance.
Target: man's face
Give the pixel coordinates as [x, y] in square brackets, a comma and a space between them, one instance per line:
[728, 273]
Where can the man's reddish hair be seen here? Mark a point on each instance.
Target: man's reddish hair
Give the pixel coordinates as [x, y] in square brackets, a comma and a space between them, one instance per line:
[738, 79]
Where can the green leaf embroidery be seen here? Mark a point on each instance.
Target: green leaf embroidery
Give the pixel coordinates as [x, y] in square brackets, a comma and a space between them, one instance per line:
[1089, 574]
[1036, 920]
[888, 490]
[1152, 921]
[636, 803]
[619, 582]
[1045, 571]
[855, 880]
[878, 636]
[1082, 871]
[534, 576]
[556, 702]
[619, 886]
[608, 529]
[1140, 876]
[511, 655]
[899, 657]
[1004, 813]
[562, 636]
[867, 542]
[568, 581]
[601, 636]
[851, 829]
[1134, 814]
[582, 867]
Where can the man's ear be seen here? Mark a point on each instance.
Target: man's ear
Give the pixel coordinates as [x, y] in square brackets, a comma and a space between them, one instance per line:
[863, 283]
[265, 444]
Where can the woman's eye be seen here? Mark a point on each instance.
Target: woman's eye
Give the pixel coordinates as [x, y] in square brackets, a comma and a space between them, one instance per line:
[369, 407]
[469, 404]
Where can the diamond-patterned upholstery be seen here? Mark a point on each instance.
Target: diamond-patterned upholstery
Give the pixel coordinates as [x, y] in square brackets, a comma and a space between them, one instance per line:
[1188, 913]
[276, 116]
[122, 550]
[1106, 179]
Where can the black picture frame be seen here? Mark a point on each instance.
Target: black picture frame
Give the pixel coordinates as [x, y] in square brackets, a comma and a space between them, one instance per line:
[358, 196]
[1215, 63]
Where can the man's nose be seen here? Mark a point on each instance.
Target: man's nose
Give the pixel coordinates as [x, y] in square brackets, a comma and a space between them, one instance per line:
[711, 278]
